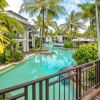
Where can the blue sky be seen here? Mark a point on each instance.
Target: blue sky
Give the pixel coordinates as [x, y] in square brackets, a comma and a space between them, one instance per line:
[68, 4]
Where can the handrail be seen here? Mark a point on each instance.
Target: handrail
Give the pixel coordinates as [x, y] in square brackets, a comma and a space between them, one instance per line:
[45, 78]
[81, 78]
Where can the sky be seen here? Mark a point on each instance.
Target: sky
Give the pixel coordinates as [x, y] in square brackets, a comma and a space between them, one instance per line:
[68, 4]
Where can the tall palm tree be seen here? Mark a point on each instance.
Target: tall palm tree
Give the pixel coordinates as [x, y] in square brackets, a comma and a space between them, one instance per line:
[43, 8]
[97, 26]
[88, 13]
[47, 23]
[73, 22]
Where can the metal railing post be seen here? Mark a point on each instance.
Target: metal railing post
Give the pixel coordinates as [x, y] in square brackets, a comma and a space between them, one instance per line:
[80, 75]
[78, 84]
[47, 89]
[97, 72]
[26, 93]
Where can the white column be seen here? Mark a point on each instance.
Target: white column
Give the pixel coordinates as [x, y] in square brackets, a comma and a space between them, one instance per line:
[24, 45]
[33, 41]
[26, 42]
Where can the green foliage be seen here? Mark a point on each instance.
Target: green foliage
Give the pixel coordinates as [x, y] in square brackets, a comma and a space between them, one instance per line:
[91, 74]
[73, 23]
[17, 56]
[8, 24]
[3, 4]
[37, 42]
[33, 50]
[68, 44]
[46, 10]
[86, 53]
[5, 57]
[77, 44]
[1, 97]
[9, 56]
[50, 7]
[90, 33]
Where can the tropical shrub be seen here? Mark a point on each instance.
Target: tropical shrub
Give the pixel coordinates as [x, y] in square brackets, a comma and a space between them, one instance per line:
[68, 44]
[17, 56]
[2, 58]
[9, 56]
[86, 53]
[5, 57]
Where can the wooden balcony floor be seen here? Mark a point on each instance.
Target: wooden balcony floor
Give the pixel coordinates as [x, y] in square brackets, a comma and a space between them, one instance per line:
[97, 97]
[93, 95]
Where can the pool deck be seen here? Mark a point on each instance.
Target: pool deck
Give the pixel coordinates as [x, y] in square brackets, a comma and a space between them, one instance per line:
[2, 67]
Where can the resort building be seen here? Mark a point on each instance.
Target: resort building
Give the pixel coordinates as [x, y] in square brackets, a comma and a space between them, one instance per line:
[55, 39]
[27, 40]
[83, 40]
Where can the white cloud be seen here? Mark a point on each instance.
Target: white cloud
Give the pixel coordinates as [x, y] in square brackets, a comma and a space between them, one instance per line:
[14, 5]
[77, 1]
[69, 4]
[61, 21]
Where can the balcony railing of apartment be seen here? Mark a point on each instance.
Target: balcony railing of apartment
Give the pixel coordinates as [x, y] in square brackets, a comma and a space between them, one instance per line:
[69, 84]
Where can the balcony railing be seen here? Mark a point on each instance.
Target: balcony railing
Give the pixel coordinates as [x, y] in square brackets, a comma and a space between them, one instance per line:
[69, 84]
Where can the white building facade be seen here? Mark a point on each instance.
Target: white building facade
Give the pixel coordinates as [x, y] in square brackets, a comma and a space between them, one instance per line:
[27, 40]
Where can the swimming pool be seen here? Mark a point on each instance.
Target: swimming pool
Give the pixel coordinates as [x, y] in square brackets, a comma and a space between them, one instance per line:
[37, 66]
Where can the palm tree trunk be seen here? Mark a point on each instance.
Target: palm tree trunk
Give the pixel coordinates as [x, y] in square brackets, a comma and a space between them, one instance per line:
[40, 38]
[42, 29]
[98, 31]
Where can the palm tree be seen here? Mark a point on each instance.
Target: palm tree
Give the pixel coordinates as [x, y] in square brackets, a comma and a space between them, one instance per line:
[90, 33]
[91, 14]
[44, 8]
[7, 28]
[3, 4]
[88, 13]
[7, 24]
[97, 27]
[73, 23]
[47, 23]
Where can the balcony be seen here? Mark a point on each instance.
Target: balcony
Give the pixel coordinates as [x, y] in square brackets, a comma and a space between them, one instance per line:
[83, 82]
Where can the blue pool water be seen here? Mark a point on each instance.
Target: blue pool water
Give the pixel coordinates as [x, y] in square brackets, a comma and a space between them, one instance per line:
[36, 67]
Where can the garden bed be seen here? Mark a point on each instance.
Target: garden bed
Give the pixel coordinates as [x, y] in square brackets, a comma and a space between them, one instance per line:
[5, 66]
